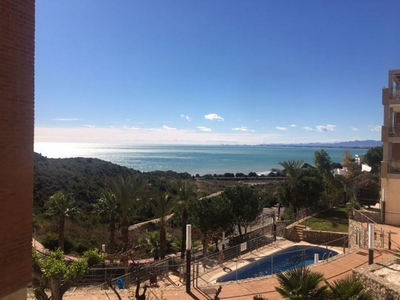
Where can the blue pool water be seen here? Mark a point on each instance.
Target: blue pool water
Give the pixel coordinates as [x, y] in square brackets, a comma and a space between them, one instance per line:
[294, 256]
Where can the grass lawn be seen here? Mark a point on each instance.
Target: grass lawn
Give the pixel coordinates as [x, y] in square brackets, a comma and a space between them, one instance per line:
[335, 219]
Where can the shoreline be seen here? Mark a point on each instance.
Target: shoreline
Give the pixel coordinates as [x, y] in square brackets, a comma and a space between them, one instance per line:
[194, 160]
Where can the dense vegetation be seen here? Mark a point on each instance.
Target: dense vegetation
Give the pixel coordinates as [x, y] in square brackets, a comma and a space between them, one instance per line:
[86, 177]
[84, 180]
[81, 203]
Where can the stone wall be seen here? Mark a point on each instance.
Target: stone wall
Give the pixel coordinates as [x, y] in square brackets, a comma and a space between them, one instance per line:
[325, 237]
[381, 288]
[358, 236]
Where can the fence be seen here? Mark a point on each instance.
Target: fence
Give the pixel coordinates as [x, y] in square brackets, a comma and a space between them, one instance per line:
[264, 233]
[265, 265]
[300, 215]
[280, 262]
[130, 275]
[359, 228]
[162, 268]
[212, 261]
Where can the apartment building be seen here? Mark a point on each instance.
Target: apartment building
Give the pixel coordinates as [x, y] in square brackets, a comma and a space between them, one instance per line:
[390, 167]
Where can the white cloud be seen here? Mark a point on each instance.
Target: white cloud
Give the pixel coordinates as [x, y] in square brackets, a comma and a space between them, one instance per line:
[281, 128]
[186, 117]
[168, 128]
[90, 126]
[375, 128]
[307, 128]
[203, 128]
[293, 125]
[213, 117]
[66, 119]
[354, 128]
[242, 128]
[145, 136]
[324, 128]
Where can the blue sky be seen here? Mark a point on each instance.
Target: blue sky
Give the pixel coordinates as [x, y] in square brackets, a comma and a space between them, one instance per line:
[212, 72]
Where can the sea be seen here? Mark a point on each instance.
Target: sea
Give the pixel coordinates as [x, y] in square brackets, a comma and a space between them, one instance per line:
[193, 159]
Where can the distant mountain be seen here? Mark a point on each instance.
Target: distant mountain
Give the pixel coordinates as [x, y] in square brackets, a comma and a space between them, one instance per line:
[348, 144]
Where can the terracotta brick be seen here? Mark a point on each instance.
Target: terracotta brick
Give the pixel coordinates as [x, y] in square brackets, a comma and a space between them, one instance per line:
[17, 27]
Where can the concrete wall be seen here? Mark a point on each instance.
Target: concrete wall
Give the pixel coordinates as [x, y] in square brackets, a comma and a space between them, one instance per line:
[391, 187]
[17, 29]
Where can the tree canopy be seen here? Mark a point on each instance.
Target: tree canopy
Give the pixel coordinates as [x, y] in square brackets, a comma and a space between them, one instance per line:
[211, 216]
[54, 272]
[373, 158]
[246, 206]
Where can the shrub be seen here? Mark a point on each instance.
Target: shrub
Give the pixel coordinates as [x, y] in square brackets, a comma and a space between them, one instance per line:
[50, 241]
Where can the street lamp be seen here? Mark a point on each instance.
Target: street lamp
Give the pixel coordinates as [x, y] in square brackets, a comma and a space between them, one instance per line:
[188, 255]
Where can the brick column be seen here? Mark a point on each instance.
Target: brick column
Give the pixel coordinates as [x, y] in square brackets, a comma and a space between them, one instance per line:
[17, 30]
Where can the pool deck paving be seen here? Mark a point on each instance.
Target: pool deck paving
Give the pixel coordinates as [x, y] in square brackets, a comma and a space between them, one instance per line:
[333, 270]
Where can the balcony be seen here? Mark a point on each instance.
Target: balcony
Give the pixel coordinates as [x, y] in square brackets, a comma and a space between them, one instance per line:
[394, 167]
[394, 94]
[394, 131]
[390, 134]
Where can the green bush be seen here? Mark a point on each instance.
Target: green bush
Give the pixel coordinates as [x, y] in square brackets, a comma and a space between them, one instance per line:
[80, 248]
[50, 241]
[211, 249]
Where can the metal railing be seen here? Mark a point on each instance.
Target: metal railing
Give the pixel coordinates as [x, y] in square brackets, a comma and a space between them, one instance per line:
[161, 269]
[300, 215]
[382, 238]
[394, 93]
[270, 264]
[130, 275]
[214, 260]
[394, 167]
[394, 131]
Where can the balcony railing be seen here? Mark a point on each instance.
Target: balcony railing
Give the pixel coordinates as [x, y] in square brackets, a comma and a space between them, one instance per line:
[394, 167]
[395, 94]
[394, 131]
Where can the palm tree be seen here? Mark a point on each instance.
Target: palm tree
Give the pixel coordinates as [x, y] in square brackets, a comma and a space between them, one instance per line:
[109, 206]
[151, 244]
[348, 288]
[301, 284]
[163, 206]
[126, 191]
[186, 191]
[61, 206]
[292, 169]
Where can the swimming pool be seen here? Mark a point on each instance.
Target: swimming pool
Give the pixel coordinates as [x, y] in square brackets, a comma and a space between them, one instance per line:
[281, 261]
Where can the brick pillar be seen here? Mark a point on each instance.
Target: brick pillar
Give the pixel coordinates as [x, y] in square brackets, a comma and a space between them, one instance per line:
[17, 30]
